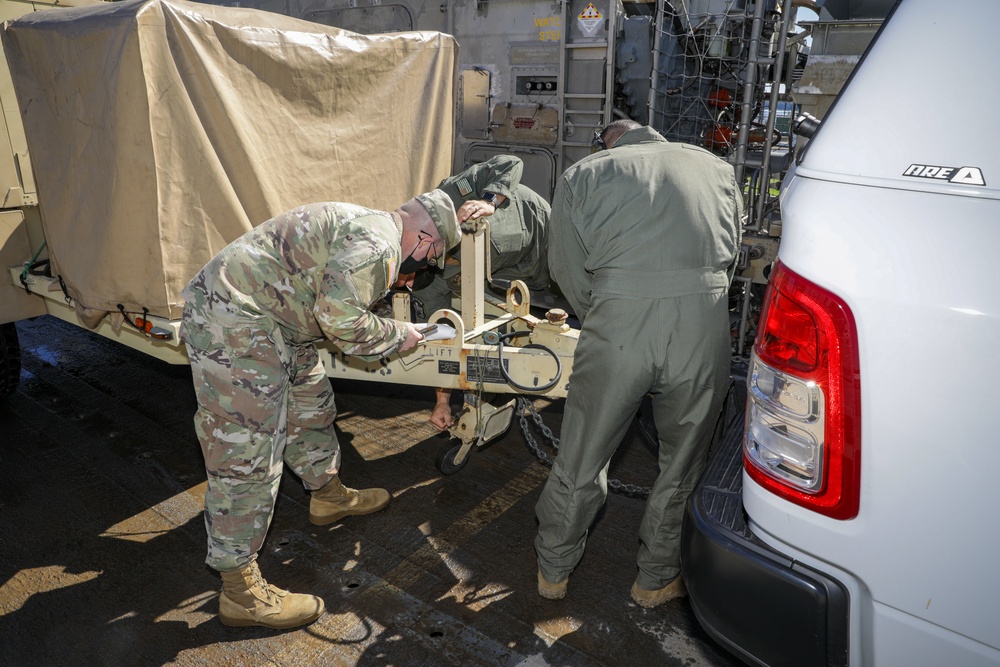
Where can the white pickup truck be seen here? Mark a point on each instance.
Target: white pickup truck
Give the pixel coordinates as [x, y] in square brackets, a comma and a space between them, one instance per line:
[850, 518]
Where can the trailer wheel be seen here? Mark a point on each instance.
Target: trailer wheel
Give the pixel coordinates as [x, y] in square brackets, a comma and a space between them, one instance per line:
[446, 459]
[10, 360]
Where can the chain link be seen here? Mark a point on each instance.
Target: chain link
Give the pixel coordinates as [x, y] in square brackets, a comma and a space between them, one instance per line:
[525, 407]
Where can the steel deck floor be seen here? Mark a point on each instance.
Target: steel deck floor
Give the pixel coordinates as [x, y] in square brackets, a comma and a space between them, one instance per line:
[102, 538]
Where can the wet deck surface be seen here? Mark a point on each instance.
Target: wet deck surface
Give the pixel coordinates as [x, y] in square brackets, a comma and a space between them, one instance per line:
[102, 541]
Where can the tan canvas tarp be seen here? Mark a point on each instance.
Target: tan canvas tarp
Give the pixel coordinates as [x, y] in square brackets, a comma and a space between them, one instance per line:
[160, 130]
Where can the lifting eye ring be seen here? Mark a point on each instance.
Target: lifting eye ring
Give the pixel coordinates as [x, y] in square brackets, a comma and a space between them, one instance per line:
[518, 298]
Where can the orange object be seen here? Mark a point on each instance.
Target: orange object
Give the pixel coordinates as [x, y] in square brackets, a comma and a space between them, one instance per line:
[720, 136]
[720, 98]
[152, 331]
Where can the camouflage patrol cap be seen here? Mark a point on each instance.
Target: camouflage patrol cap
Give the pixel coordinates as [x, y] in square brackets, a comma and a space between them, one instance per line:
[442, 212]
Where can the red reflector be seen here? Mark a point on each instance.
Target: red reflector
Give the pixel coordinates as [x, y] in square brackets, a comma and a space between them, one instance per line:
[790, 335]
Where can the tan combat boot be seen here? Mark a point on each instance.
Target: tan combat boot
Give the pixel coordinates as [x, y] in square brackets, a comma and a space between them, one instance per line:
[247, 599]
[335, 501]
[551, 591]
[650, 599]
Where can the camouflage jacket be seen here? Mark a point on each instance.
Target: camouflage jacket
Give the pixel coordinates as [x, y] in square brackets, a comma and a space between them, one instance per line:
[314, 271]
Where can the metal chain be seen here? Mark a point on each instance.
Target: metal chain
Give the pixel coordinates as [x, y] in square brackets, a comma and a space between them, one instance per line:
[525, 407]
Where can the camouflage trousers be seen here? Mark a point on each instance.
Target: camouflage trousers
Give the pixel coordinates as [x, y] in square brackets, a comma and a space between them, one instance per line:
[261, 404]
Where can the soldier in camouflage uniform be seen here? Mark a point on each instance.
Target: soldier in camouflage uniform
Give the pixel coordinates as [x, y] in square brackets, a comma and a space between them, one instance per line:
[251, 321]
[643, 243]
[518, 219]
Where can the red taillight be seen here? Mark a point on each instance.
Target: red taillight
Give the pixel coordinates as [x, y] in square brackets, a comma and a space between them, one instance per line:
[803, 431]
[790, 335]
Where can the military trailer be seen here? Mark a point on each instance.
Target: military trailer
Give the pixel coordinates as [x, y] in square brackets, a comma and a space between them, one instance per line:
[161, 131]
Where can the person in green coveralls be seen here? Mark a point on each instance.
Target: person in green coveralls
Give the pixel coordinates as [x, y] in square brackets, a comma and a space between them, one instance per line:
[643, 243]
[518, 219]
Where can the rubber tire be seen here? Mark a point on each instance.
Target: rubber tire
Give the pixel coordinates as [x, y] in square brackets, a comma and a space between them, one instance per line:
[445, 461]
[10, 360]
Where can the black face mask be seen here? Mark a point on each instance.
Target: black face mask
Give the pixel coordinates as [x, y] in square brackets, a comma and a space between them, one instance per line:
[411, 265]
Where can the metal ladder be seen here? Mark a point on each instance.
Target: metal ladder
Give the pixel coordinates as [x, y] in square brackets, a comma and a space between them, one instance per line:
[583, 106]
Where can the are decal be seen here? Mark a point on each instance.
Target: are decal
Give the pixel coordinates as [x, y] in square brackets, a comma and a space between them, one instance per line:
[961, 175]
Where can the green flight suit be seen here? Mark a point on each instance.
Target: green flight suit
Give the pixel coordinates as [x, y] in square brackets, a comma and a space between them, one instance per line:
[518, 228]
[643, 243]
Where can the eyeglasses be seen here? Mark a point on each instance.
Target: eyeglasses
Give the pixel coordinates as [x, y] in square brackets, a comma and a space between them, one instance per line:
[598, 143]
[411, 264]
